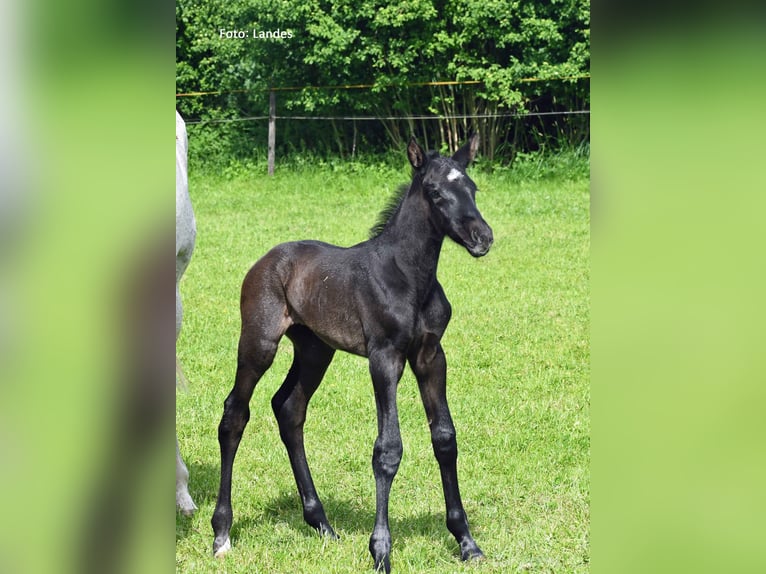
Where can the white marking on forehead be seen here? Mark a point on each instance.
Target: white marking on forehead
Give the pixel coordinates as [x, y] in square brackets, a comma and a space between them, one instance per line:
[453, 175]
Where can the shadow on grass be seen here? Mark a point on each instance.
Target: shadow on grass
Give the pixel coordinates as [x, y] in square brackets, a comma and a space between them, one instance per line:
[347, 516]
[203, 487]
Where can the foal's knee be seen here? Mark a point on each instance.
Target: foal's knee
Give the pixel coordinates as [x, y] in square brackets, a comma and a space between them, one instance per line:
[444, 442]
[386, 457]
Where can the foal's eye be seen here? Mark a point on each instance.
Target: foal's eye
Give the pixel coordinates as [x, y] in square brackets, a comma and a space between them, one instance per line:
[434, 193]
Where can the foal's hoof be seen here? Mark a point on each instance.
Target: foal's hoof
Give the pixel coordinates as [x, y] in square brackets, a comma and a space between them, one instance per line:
[383, 565]
[381, 554]
[472, 553]
[221, 548]
[326, 531]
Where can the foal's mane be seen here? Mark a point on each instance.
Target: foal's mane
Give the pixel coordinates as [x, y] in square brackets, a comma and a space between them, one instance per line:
[395, 202]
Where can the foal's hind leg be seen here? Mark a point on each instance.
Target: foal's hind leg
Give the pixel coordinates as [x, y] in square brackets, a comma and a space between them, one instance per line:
[430, 367]
[312, 357]
[257, 347]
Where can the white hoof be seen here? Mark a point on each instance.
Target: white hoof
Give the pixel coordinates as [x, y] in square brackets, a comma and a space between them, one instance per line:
[225, 547]
[185, 503]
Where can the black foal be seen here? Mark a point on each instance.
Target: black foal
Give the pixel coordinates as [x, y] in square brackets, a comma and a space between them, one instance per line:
[379, 299]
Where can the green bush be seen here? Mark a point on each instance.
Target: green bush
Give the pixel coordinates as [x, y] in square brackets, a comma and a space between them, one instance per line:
[395, 47]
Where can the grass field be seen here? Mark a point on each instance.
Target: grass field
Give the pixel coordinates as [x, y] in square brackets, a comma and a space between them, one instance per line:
[518, 382]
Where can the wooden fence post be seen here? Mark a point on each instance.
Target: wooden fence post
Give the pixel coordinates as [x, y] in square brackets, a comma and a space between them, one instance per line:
[272, 128]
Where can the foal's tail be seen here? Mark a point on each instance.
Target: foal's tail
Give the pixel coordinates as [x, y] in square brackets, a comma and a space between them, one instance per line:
[181, 380]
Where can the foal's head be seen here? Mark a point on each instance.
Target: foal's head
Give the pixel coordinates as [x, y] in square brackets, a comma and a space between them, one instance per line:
[451, 195]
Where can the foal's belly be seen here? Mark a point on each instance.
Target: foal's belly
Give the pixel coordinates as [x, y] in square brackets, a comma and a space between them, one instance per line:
[356, 347]
[326, 305]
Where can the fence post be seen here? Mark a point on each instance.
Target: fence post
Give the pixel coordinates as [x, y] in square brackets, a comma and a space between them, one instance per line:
[272, 128]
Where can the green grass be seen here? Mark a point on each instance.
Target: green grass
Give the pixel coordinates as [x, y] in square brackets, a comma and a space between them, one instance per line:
[518, 382]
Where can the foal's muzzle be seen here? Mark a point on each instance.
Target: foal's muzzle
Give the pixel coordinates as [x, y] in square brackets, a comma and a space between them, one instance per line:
[480, 238]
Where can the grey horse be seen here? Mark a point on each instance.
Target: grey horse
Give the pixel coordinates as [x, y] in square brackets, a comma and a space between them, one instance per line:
[186, 233]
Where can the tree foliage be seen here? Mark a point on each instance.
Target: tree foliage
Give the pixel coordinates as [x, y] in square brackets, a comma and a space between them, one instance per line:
[393, 46]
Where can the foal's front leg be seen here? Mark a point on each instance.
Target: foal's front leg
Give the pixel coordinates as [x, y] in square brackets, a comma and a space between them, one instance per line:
[430, 367]
[386, 367]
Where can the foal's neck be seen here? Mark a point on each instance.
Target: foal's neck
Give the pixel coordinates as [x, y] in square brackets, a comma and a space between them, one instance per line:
[415, 241]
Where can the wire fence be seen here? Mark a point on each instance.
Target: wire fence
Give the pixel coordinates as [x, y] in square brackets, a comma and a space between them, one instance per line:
[451, 114]
[390, 118]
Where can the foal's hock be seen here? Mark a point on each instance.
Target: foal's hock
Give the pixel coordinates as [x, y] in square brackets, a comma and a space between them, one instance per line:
[379, 299]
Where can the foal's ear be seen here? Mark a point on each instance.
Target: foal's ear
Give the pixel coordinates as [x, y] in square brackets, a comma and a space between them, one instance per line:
[416, 154]
[466, 154]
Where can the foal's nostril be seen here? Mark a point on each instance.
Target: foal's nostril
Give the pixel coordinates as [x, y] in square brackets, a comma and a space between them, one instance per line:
[478, 237]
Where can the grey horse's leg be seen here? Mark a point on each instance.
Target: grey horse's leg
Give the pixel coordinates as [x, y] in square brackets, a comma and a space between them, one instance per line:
[186, 234]
[183, 500]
